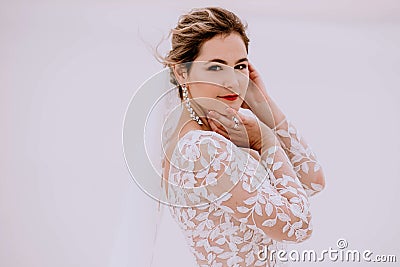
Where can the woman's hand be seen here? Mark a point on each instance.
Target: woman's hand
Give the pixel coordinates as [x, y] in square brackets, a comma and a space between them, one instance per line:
[256, 90]
[256, 98]
[249, 133]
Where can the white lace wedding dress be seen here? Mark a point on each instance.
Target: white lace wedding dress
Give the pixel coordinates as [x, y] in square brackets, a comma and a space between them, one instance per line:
[229, 203]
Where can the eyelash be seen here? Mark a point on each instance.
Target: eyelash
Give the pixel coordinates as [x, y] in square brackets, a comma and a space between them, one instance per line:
[244, 66]
[213, 67]
[240, 67]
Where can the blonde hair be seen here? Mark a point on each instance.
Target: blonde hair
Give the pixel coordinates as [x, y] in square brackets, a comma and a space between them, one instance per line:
[195, 28]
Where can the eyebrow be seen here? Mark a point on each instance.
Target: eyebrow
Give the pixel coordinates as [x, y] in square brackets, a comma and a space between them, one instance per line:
[226, 63]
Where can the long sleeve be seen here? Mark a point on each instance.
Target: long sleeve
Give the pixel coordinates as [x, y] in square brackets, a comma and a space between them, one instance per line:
[207, 169]
[302, 157]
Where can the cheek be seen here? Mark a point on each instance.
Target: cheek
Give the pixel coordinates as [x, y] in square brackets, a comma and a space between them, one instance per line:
[243, 80]
[203, 89]
[207, 80]
[205, 95]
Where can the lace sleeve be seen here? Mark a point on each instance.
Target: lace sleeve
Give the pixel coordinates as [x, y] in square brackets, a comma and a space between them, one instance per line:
[303, 159]
[209, 169]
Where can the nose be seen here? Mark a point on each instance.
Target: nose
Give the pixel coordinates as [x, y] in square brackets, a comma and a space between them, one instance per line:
[231, 80]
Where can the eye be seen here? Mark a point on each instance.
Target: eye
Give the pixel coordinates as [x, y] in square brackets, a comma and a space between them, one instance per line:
[241, 67]
[215, 67]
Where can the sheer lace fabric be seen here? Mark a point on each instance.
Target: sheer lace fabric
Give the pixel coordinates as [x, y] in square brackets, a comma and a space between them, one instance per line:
[231, 205]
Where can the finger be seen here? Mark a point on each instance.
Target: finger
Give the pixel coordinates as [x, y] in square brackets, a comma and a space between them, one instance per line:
[215, 126]
[215, 122]
[212, 125]
[251, 66]
[217, 130]
[225, 120]
[242, 118]
[252, 69]
[253, 74]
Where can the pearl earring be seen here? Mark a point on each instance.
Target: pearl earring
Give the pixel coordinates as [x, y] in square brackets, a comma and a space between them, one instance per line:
[192, 113]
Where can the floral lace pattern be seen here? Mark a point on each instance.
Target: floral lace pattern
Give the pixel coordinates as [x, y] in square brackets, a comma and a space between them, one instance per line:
[230, 205]
[301, 156]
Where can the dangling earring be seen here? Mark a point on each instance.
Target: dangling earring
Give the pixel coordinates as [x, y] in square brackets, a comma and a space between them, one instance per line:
[193, 114]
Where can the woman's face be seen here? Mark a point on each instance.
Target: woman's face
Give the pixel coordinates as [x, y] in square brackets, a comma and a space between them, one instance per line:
[219, 76]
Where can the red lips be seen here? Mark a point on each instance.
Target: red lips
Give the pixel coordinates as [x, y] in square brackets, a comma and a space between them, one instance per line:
[229, 97]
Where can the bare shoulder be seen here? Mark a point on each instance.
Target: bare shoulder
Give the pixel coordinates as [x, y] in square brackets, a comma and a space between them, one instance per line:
[197, 135]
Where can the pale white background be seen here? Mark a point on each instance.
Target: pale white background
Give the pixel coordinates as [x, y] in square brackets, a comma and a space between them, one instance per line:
[69, 68]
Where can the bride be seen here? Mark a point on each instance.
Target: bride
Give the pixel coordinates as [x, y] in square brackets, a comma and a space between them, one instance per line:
[238, 183]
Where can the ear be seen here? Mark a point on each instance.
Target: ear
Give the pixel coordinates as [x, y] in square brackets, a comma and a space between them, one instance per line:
[180, 73]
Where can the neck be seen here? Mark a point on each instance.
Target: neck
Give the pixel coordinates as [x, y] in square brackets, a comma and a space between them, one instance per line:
[186, 123]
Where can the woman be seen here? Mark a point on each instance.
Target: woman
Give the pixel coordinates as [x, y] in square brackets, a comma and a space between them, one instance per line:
[237, 183]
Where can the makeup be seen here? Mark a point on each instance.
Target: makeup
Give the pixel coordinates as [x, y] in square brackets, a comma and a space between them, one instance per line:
[232, 97]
